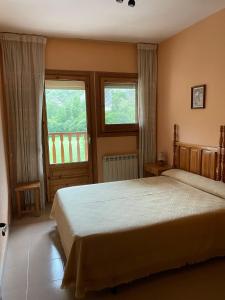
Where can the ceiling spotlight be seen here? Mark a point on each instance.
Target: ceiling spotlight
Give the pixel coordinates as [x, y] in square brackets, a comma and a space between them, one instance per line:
[131, 3]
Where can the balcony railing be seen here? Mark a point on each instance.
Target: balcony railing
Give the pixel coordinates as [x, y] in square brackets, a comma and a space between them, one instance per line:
[68, 147]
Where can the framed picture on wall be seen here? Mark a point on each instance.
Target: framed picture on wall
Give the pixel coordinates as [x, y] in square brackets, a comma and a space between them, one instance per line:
[198, 93]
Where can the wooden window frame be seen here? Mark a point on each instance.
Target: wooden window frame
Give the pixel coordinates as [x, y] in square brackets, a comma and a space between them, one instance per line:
[113, 129]
[88, 78]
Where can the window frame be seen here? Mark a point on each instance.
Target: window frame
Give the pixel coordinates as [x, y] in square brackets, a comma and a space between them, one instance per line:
[52, 169]
[120, 79]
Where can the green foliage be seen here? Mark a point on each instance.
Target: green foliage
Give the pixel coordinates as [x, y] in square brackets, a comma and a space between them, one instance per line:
[120, 105]
[66, 110]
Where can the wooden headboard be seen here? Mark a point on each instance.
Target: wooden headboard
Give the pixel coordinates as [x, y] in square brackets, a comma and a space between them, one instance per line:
[203, 160]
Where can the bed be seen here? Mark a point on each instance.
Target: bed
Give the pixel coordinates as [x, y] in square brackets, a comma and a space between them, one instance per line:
[113, 233]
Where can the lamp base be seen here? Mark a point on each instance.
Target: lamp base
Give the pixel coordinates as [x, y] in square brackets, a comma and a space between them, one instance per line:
[161, 162]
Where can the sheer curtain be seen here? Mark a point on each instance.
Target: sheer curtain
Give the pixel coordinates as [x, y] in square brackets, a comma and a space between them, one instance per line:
[147, 86]
[23, 76]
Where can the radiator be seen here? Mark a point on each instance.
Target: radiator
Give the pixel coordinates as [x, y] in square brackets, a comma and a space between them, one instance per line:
[120, 167]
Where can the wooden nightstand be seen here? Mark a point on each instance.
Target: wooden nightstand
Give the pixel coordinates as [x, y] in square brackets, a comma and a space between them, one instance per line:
[21, 206]
[155, 169]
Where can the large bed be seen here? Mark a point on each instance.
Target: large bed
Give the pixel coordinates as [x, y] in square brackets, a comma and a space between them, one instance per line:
[113, 233]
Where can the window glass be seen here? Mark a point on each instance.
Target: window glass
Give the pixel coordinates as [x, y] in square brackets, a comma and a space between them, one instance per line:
[66, 121]
[120, 104]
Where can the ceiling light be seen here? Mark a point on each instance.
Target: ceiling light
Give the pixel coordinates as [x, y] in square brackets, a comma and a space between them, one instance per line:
[131, 3]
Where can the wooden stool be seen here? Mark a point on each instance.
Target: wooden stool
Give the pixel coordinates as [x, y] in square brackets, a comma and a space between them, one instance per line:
[32, 186]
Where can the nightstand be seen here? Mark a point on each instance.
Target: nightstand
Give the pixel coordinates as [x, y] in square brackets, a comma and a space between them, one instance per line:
[155, 169]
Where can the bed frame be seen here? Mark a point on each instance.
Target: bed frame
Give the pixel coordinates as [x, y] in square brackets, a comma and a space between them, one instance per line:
[205, 161]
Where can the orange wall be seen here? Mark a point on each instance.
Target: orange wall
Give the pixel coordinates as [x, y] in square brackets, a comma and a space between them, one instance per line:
[194, 56]
[85, 55]
[3, 187]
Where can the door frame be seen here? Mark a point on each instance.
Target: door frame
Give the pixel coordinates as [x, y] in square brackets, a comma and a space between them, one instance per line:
[88, 78]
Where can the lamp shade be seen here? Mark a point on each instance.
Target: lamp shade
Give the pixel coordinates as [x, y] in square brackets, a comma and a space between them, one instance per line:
[161, 156]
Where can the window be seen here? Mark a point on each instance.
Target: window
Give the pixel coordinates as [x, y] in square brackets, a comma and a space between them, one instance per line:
[118, 105]
[66, 121]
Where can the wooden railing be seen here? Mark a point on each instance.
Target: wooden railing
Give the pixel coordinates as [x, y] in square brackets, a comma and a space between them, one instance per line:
[68, 147]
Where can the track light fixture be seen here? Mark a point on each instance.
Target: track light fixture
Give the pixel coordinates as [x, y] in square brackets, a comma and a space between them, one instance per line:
[131, 3]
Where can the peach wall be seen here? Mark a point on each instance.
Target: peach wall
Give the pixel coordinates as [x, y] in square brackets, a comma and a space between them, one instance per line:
[3, 188]
[85, 55]
[194, 56]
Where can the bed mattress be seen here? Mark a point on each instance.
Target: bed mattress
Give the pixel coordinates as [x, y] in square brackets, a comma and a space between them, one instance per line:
[113, 233]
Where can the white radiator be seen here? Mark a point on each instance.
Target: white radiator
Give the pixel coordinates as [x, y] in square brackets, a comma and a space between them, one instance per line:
[120, 167]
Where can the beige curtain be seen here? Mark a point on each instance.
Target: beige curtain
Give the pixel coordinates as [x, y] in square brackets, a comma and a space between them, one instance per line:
[23, 73]
[147, 86]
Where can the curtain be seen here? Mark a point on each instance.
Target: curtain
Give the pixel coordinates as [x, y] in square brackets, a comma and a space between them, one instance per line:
[23, 76]
[147, 87]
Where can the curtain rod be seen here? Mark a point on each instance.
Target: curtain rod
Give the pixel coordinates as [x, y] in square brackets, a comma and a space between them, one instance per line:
[39, 35]
[152, 44]
[30, 34]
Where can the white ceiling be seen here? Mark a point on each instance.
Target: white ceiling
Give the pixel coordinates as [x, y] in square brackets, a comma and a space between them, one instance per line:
[149, 21]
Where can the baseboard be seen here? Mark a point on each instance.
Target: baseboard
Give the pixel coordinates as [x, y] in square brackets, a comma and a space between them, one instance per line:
[3, 252]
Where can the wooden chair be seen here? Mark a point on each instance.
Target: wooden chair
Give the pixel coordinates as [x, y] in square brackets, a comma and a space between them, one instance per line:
[22, 208]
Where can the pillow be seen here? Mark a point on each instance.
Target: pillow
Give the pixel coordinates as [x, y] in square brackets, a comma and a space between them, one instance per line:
[211, 186]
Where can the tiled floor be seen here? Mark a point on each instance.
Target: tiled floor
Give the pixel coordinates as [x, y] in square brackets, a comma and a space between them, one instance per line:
[35, 262]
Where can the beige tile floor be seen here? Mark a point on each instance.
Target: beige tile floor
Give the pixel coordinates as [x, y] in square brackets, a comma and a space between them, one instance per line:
[35, 263]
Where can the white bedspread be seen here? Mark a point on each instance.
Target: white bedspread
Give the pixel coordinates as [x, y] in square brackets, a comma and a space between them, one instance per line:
[116, 232]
